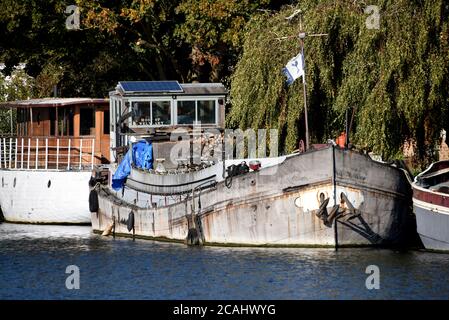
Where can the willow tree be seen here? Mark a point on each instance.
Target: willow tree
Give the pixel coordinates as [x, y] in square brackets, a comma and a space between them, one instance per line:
[213, 30]
[393, 78]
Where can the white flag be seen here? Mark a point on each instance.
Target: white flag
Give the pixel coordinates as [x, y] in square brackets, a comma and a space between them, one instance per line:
[294, 69]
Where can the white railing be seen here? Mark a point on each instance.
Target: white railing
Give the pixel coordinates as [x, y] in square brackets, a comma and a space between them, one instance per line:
[47, 153]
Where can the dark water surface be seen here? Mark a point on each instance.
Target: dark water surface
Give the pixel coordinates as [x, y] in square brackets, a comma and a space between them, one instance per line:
[33, 261]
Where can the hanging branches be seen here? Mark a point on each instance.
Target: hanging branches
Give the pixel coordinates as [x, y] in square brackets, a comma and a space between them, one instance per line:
[396, 76]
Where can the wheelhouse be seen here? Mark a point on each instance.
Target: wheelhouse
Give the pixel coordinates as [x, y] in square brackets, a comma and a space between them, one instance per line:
[150, 109]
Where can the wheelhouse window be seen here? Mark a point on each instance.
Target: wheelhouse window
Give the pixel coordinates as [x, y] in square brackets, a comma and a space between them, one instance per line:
[193, 111]
[206, 111]
[158, 112]
[161, 112]
[155, 113]
[186, 112]
[141, 113]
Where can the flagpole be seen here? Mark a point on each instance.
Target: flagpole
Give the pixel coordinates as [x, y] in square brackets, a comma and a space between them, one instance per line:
[301, 37]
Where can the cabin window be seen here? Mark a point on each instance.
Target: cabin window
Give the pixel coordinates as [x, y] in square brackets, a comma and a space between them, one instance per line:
[65, 121]
[26, 117]
[206, 111]
[151, 113]
[118, 113]
[141, 113]
[70, 115]
[186, 112]
[106, 121]
[38, 118]
[112, 108]
[21, 121]
[52, 121]
[87, 121]
[62, 125]
[161, 112]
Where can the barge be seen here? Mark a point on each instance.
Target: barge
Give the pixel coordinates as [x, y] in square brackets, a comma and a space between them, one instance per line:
[326, 196]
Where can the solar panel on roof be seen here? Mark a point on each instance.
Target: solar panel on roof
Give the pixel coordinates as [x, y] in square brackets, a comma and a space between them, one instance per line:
[151, 86]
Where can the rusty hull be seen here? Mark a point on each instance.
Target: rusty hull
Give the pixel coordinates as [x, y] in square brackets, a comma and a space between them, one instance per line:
[278, 206]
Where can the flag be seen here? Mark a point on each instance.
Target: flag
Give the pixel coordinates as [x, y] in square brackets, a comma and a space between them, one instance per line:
[295, 69]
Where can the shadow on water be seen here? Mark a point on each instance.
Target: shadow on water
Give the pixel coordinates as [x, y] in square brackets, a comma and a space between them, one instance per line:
[33, 261]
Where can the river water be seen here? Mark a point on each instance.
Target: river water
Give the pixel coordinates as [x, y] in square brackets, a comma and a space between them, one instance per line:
[33, 262]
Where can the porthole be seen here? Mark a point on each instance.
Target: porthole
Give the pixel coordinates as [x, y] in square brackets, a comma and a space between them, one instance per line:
[322, 197]
[298, 202]
[49, 184]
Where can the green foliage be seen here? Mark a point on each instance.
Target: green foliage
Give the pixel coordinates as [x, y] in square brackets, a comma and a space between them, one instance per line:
[185, 39]
[394, 78]
[85, 62]
[145, 28]
[17, 86]
[214, 31]
[50, 76]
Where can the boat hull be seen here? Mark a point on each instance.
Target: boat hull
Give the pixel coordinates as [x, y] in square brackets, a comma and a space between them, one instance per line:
[47, 197]
[431, 206]
[432, 226]
[277, 206]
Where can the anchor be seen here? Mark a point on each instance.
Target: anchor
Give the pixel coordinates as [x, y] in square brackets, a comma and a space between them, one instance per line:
[337, 212]
[344, 213]
[195, 235]
[351, 212]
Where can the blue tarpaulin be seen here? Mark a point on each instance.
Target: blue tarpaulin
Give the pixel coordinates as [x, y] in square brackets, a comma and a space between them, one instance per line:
[141, 154]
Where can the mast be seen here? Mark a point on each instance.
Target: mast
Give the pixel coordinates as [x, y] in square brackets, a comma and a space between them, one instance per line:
[302, 35]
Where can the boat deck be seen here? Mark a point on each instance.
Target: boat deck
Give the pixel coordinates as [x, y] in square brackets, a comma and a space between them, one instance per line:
[441, 187]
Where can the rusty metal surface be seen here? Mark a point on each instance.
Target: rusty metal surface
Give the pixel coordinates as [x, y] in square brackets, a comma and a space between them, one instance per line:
[279, 208]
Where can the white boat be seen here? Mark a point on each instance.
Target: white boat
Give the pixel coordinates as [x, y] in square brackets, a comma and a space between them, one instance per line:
[431, 206]
[46, 166]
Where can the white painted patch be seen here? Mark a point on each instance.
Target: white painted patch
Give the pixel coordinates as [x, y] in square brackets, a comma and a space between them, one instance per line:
[32, 201]
[310, 200]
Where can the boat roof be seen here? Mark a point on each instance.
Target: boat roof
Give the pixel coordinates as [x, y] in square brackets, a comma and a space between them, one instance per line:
[436, 168]
[52, 102]
[161, 88]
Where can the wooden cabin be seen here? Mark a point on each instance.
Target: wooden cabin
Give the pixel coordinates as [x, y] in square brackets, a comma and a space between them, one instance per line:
[57, 133]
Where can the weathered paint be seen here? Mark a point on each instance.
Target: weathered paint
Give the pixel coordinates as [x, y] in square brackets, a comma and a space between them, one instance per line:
[29, 196]
[431, 207]
[432, 225]
[278, 209]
